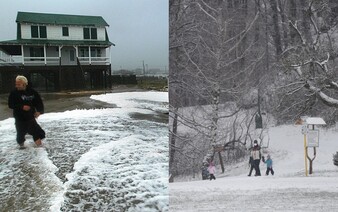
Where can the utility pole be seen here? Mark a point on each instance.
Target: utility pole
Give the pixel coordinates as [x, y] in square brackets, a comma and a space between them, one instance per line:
[144, 70]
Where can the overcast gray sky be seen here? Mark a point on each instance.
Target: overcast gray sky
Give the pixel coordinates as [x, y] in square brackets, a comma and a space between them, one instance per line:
[139, 28]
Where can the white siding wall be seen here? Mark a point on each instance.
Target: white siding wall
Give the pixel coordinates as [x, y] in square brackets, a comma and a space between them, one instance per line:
[75, 33]
[55, 32]
[101, 33]
[25, 31]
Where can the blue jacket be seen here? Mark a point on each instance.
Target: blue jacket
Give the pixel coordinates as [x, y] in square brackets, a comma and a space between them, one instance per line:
[268, 163]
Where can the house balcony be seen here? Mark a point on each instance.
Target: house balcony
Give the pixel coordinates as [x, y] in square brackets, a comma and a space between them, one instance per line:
[18, 60]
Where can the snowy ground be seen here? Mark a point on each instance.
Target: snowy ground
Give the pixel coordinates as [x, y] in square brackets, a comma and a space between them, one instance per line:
[109, 159]
[288, 190]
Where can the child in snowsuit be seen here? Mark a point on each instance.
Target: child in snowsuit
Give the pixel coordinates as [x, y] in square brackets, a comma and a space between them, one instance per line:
[212, 170]
[205, 173]
[268, 162]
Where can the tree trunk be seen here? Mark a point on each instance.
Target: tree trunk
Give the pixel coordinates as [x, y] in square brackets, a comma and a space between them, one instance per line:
[306, 20]
[221, 161]
[284, 25]
[172, 167]
[275, 23]
[215, 116]
[293, 18]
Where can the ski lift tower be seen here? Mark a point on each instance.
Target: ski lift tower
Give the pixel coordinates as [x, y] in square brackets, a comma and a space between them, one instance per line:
[311, 138]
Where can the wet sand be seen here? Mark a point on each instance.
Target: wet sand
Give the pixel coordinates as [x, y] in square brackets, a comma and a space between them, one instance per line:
[63, 101]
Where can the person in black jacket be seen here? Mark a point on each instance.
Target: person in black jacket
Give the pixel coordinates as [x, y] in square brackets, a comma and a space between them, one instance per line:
[27, 106]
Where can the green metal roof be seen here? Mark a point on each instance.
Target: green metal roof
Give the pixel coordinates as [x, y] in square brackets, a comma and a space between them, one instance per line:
[60, 19]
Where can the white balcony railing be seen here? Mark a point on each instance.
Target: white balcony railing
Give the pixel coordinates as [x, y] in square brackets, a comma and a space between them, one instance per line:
[52, 61]
[11, 59]
[94, 60]
[37, 61]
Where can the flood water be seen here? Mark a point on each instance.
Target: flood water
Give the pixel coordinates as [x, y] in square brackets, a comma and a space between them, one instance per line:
[96, 157]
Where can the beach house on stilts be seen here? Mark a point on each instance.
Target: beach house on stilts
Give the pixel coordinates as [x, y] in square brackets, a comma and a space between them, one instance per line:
[57, 52]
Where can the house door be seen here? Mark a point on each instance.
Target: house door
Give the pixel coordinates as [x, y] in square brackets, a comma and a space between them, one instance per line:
[68, 56]
[72, 56]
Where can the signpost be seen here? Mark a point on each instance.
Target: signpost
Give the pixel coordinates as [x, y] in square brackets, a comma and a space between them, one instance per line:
[311, 137]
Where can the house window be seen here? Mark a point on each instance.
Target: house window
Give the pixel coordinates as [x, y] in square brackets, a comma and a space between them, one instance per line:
[35, 31]
[83, 52]
[95, 52]
[93, 33]
[90, 33]
[43, 31]
[65, 31]
[86, 34]
[36, 52]
[39, 31]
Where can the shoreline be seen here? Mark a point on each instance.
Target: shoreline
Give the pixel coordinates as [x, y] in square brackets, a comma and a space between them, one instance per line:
[69, 100]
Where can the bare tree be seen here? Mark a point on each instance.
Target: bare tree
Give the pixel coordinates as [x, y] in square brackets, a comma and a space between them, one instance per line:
[224, 52]
[214, 57]
[311, 59]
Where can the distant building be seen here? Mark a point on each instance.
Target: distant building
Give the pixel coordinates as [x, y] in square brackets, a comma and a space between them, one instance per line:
[57, 52]
[154, 71]
[138, 71]
[123, 72]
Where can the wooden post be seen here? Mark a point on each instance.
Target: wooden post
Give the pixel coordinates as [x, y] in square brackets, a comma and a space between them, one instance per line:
[90, 56]
[23, 55]
[314, 156]
[60, 69]
[305, 155]
[45, 54]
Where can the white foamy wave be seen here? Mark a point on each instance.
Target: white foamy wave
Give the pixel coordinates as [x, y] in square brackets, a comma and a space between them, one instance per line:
[152, 100]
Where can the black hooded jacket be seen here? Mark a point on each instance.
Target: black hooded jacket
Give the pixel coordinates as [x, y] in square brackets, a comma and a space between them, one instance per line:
[17, 99]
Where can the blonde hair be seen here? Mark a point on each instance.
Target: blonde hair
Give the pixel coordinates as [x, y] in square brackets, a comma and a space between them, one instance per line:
[22, 79]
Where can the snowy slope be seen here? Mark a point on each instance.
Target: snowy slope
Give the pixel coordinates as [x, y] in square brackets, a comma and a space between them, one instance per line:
[288, 190]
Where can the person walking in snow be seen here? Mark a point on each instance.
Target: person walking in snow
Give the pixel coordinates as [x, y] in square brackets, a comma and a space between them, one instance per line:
[251, 164]
[212, 170]
[268, 162]
[205, 173]
[256, 156]
[27, 106]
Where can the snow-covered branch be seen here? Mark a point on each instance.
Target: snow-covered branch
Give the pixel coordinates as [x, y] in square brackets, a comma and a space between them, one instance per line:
[294, 26]
[323, 64]
[206, 12]
[210, 8]
[325, 98]
[244, 33]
